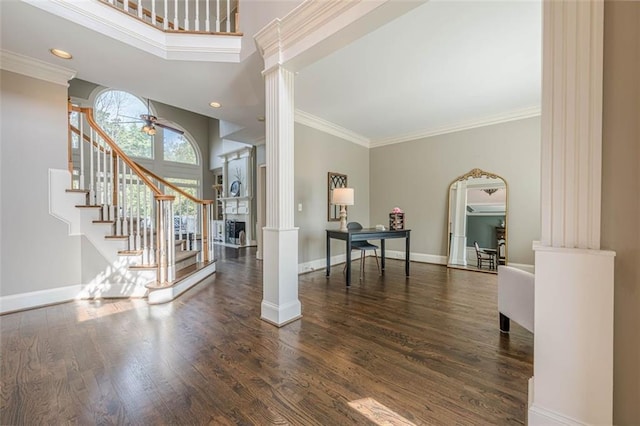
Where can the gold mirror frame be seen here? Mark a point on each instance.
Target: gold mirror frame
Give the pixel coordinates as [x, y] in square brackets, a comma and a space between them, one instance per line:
[334, 180]
[477, 173]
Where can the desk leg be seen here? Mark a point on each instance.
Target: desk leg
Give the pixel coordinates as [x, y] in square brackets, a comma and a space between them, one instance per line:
[328, 255]
[382, 256]
[407, 252]
[348, 262]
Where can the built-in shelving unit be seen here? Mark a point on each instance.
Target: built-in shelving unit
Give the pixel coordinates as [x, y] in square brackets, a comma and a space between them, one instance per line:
[235, 200]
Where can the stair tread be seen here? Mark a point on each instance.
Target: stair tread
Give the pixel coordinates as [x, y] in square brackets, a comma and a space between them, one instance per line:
[103, 221]
[130, 252]
[88, 206]
[79, 191]
[185, 254]
[116, 237]
[180, 275]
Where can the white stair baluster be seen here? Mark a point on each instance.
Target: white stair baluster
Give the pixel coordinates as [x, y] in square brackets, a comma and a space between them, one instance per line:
[153, 13]
[197, 24]
[165, 22]
[176, 21]
[92, 183]
[140, 9]
[207, 20]
[228, 16]
[218, 15]
[104, 180]
[122, 205]
[125, 4]
[186, 15]
[81, 142]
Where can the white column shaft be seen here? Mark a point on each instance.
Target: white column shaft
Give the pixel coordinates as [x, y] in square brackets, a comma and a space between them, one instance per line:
[279, 147]
[572, 124]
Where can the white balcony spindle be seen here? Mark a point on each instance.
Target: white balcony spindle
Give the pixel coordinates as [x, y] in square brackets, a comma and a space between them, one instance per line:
[122, 206]
[104, 201]
[218, 15]
[228, 16]
[165, 21]
[125, 5]
[176, 21]
[186, 15]
[140, 9]
[197, 24]
[207, 20]
[154, 20]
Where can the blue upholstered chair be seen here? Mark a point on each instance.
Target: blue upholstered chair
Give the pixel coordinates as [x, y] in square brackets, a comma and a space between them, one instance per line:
[363, 246]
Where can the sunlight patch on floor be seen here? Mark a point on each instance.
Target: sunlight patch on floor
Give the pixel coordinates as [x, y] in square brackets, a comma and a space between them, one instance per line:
[378, 413]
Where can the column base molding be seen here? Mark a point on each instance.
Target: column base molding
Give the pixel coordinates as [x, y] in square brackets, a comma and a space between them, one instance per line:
[573, 341]
[280, 304]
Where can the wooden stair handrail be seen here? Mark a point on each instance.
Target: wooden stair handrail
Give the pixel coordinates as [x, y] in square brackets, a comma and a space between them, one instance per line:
[75, 130]
[88, 112]
[175, 188]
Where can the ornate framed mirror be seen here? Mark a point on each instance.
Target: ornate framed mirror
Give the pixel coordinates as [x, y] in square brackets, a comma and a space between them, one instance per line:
[335, 180]
[477, 221]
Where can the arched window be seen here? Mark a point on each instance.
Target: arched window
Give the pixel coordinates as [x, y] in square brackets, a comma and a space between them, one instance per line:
[177, 148]
[118, 113]
[170, 154]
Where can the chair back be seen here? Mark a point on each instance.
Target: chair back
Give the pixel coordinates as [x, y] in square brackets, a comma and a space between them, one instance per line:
[475, 243]
[354, 226]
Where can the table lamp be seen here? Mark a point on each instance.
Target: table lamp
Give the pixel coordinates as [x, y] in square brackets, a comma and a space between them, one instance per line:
[342, 197]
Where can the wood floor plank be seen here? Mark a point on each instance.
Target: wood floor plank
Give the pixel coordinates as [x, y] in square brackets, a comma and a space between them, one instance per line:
[421, 350]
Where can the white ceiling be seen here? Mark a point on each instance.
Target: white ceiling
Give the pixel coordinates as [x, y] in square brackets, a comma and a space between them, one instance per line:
[442, 65]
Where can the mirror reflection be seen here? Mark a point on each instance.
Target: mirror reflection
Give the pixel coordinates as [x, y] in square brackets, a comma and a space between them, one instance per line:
[478, 221]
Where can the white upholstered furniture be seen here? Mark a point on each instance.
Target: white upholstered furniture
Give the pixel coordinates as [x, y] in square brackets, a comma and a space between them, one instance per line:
[515, 297]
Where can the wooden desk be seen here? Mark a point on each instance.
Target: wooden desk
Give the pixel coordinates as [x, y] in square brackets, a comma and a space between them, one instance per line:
[362, 235]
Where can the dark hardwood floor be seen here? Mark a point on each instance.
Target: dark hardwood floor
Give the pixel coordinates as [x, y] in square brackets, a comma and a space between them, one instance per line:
[423, 350]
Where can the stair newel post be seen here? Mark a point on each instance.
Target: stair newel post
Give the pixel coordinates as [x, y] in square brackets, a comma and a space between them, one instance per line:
[115, 180]
[207, 240]
[165, 238]
[70, 142]
[83, 184]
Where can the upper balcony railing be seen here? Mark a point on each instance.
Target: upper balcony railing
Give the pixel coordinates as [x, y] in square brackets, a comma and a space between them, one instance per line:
[189, 16]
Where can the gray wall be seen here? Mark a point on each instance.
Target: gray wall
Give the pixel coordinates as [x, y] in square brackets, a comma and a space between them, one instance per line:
[316, 154]
[36, 251]
[416, 175]
[621, 197]
[483, 230]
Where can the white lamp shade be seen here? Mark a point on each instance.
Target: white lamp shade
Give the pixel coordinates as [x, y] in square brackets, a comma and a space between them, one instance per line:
[342, 196]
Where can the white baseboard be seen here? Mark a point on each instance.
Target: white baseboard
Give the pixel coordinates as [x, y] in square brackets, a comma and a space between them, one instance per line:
[524, 266]
[168, 294]
[34, 299]
[539, 416]
[317, 264]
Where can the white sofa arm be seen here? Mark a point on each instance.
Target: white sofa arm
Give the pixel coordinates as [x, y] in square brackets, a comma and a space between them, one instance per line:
[515, 297]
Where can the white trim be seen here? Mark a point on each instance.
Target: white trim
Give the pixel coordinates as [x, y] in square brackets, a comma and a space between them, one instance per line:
[542, 416]
[35, 68]
[113, 23]
[323, 125]
[457, 127]
[523, 266]
[168, 294]
[538, 247]
[34, 299]
[416, 257]
[319, 264]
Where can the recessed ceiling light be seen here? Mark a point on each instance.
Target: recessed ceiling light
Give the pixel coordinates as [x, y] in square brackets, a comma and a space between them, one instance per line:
[61, 54]
[215, 104]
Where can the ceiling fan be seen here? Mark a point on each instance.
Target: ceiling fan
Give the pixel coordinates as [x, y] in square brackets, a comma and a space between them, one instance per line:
[151, 122]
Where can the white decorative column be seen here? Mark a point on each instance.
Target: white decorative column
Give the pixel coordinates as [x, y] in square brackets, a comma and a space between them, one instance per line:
[458, 255]
[573, 343]
[280, 304]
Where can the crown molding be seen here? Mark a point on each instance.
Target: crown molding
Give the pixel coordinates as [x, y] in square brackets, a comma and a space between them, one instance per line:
[35, 68]
[318, 123]
[464, 125]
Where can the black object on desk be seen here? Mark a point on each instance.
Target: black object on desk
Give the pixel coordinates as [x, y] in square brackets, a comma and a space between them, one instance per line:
[362, 235]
